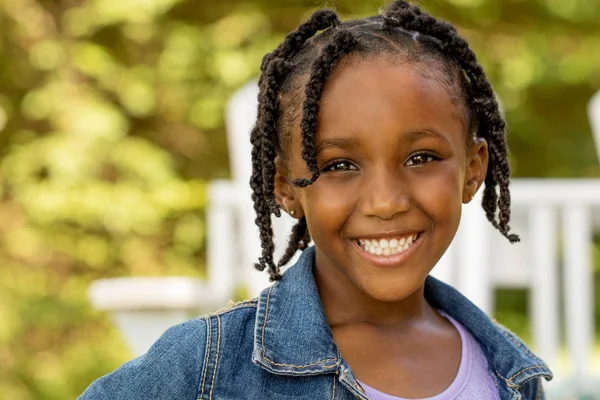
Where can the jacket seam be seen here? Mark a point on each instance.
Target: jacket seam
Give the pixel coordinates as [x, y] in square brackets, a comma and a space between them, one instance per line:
[264, 349]
[302, 366]
[521, 346]
[212, 385]
[509, 381]
[208, 339]
[236, 306]
[495, 375]
[334, 383]
[523, 370]
[499, 375]
[265, 321]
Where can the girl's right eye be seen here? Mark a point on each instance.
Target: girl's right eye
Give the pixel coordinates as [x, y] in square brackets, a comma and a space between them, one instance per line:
[339, 165]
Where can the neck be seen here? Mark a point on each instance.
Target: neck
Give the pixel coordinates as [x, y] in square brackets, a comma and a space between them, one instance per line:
[344, 303]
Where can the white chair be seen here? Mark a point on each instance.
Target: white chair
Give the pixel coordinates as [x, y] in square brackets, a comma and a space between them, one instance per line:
[233, 197]
[143, 308]
[594, 116]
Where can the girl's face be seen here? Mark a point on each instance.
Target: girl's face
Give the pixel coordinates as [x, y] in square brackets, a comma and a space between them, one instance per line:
[395, 171]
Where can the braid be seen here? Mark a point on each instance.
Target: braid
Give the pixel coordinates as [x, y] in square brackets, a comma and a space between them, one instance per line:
[342, 43]
[264, 137]
[277, 67]
[299, 240]
[492, 126]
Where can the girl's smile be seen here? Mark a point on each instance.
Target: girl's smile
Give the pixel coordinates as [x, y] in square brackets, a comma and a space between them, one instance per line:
[389, 251]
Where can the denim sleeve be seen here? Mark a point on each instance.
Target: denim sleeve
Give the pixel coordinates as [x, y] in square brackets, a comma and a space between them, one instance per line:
[533, 390]
[171, 369]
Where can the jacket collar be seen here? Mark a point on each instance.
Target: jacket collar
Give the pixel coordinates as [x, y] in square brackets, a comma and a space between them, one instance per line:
[292, 335]
[508, 356]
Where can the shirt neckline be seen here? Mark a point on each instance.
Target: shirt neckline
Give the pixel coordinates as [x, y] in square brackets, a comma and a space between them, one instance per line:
[462, 375]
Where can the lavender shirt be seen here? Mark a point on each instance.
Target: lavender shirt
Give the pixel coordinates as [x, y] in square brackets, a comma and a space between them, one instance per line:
[473, 380]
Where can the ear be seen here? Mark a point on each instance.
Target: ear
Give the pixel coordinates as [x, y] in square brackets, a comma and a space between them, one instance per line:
[285, 191]
[477, 164]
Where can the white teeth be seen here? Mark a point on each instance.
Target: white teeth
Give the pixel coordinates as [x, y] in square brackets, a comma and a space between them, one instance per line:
[387, 247]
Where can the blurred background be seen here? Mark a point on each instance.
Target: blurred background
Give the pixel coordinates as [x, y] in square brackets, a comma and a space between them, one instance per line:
[112, 124]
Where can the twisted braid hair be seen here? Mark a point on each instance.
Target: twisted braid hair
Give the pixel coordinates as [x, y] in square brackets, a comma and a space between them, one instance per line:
[403, 32]
[491, 124]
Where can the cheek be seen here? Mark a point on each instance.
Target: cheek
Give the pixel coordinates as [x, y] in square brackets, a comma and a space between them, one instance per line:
[440, 196]
[327, 206]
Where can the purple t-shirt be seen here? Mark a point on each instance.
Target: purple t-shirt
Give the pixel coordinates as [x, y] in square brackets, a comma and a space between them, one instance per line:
[473, 380]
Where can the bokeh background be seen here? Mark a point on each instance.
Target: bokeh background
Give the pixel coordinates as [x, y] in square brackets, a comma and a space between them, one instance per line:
[112, 123]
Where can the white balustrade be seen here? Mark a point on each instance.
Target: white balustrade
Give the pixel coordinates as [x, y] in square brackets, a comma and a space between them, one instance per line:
[143, 308]
[578, 278]
[472, 249]
[594, 116]
[544, 304]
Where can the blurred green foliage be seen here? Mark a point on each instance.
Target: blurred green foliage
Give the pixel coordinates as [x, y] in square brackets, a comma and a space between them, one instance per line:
[111, 123]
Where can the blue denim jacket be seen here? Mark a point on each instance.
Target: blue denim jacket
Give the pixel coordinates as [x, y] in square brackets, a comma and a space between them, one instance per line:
[279, 346]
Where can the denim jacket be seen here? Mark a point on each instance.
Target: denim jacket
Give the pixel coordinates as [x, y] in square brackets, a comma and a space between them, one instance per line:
[280, 346]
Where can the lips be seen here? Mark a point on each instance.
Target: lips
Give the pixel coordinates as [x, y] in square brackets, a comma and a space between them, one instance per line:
[401, 247]
[388, 245]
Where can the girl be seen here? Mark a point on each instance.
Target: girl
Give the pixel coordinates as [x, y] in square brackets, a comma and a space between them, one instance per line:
[372, 134]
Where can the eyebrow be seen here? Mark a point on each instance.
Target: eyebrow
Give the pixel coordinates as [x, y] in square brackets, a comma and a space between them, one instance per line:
[424, 133]
[343, 143]
[412, 136]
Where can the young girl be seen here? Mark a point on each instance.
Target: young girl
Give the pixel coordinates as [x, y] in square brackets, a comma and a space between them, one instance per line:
[372, 134]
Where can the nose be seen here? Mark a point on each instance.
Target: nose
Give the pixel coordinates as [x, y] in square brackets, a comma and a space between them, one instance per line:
[385, 196]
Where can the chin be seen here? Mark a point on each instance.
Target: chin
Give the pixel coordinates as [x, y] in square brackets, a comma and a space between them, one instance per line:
[391, 292]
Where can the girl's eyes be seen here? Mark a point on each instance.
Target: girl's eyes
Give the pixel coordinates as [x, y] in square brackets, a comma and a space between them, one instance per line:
[339, 165]
[417, 160]
[422, 159]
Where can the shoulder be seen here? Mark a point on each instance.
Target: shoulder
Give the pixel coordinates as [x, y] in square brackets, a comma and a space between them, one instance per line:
[528, 378]
[236, 309]
[177, 362]
[232, 318]
[517, 342]
[237, 321]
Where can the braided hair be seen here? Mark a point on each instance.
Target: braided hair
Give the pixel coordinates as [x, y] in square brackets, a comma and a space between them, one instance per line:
[403, 31]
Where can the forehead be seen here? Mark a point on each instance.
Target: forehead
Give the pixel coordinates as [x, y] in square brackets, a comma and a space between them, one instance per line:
[366, 95]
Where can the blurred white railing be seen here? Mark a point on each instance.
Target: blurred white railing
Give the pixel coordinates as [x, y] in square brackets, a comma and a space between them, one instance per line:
[556, 219]
[143, 308]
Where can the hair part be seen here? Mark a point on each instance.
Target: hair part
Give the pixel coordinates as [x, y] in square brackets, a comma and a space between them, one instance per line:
[294, 75]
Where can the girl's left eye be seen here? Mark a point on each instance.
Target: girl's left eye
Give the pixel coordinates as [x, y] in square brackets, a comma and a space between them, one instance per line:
[340, 166]
[422, 159]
